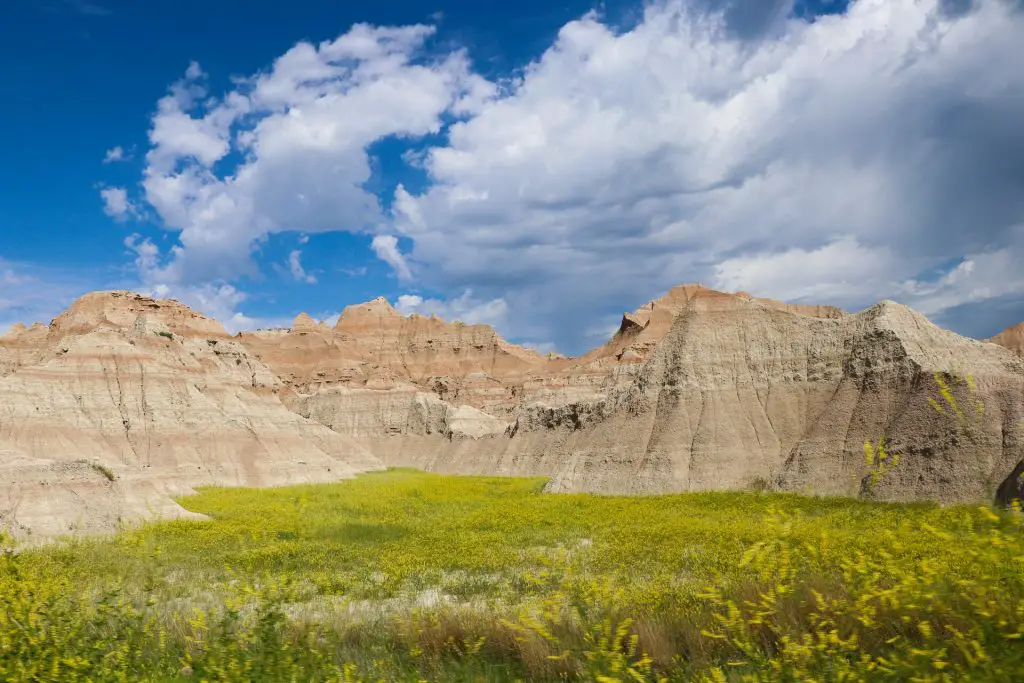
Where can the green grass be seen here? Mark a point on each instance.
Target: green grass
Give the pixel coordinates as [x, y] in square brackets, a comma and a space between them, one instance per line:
[402, 575]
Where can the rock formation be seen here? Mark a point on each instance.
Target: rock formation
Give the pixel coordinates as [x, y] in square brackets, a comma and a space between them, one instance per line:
[124, 402]
[697, 390]
[1012, 338]
[374, 347]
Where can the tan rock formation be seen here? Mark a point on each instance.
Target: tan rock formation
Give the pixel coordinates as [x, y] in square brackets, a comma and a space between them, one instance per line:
[1012, 338]
[124, 402]
[374, 346]
[128, 401]
[21, 345]
[704, 390]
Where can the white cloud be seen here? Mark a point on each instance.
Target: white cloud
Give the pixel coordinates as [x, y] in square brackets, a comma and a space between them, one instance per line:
[979, 277]
[386, 249]
[832, 159]
[301, 131]
[116, 203]
[842, 271]
[296, 269]
[115, 154]
[220, 301]
[466, 308]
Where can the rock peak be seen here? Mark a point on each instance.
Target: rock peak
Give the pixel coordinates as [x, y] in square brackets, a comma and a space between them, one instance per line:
[1012, 338]
[121, 308]
[375, 308]
[304, 323]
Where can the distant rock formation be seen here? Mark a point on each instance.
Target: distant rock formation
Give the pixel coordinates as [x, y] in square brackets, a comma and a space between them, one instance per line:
[1012, 338]
[696, 390]
[123, 402]
[375, 347]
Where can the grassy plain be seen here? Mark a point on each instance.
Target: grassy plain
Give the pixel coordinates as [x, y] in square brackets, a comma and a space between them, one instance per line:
[402, 575]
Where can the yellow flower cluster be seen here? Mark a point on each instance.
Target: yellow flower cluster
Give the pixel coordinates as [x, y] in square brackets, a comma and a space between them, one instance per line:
[407, 576]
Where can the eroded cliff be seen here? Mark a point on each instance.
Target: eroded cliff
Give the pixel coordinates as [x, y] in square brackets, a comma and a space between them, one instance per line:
[1012, 338]
[126, 402]
[697, 390]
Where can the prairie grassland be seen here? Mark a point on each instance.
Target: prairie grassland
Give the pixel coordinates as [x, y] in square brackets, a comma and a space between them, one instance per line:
[403, 575]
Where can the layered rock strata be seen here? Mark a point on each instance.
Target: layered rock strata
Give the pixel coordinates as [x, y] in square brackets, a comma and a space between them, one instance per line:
[697, 390]
[126, 402]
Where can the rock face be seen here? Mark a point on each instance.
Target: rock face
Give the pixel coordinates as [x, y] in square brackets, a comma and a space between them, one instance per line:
[375, 348]
[697, 390]
[124, 402]
[1012, 338]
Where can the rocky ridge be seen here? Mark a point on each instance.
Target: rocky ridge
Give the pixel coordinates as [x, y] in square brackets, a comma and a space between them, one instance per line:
[1012, 338]
[696, 390]
[123, 402]
[126, 402]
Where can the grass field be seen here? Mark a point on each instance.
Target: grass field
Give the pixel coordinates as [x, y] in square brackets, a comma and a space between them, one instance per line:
[402, 575]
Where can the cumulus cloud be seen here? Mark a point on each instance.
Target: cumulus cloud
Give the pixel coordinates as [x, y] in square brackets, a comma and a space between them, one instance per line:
[116, 203]
[220, 301]
[386, 249]
[301, 130]
[217, 299]
[831, 159]
[841, 159]
[465, 308]
[827, 273]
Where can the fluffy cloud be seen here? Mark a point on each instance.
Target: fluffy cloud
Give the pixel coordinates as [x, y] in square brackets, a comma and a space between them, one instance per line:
[842, 159]
[465, 307]
[833, 159]
[386, 249]
[831, 272]
[116, 203]
[219, 301]
[294, 142]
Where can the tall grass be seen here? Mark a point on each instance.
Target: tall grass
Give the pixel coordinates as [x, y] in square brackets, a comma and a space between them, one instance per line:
[402, 575]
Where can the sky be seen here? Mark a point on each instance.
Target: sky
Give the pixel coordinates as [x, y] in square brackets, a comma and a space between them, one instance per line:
[539, 166]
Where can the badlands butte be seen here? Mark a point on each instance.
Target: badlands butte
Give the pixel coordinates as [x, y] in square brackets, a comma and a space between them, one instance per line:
[123, 403]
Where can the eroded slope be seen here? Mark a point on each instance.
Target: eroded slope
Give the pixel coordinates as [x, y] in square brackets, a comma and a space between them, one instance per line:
[1012, 338]
[703, 390]
[128, 401]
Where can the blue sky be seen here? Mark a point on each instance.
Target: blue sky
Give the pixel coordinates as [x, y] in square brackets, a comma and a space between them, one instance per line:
[538, 166]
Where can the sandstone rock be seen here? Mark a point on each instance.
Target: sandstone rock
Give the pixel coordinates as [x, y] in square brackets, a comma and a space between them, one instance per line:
[705, 390]
[402, 410]
[1012, 338]
[124, 402]
[374, 346]
[129, 402]
[304, 324]
[21, 345]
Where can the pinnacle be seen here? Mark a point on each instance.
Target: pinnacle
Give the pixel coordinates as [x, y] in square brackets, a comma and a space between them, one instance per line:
[303, 321]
